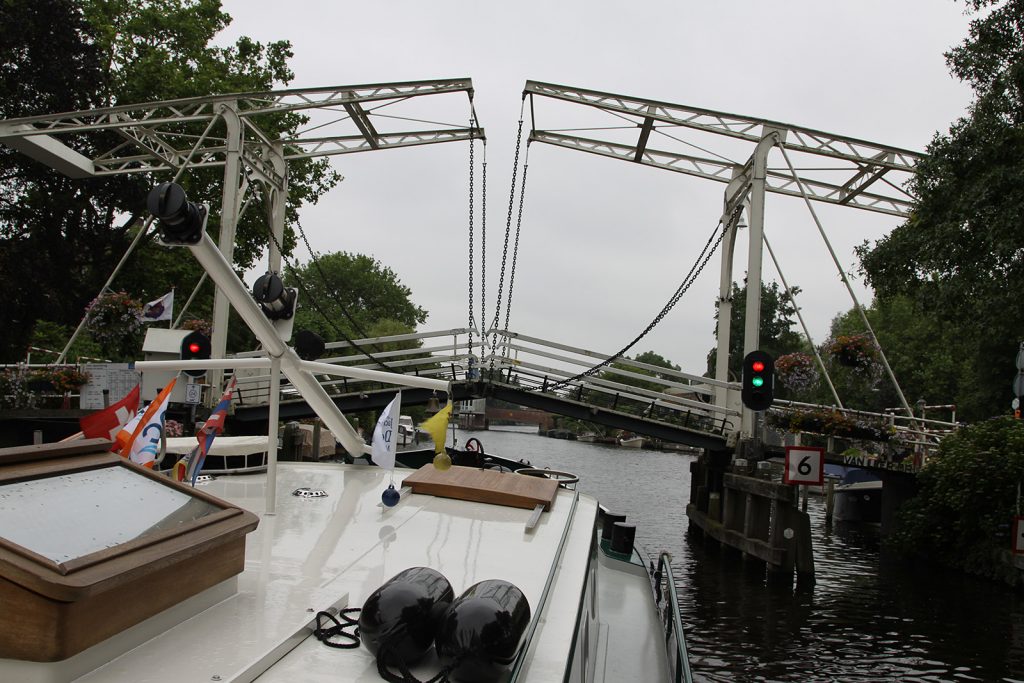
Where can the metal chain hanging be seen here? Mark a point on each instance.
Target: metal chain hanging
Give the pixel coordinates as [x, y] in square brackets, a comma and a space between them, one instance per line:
[702, 260]
[483, 254]
[515, 248]
[508, 230]
[470, 320]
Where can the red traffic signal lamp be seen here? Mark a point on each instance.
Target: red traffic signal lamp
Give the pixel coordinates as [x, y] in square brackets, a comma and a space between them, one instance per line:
[196, 346]
[758, 391]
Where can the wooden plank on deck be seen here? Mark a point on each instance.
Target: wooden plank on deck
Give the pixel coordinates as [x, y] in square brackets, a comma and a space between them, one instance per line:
[484, 486]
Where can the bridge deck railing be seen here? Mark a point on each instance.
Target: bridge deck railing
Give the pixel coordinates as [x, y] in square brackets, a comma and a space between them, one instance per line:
[666, 395]
[449, 361]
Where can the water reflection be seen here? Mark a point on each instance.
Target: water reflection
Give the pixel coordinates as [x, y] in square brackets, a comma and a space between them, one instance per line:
[866, 617]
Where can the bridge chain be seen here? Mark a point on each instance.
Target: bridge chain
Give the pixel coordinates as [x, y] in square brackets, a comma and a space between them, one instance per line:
[470, 320]
[702, 260]
[508, 230]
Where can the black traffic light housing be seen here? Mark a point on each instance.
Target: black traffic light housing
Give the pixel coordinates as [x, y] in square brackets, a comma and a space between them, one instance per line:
[309, 345]
[276, 300]
[196, 346]
[758, 380]
[181, 221]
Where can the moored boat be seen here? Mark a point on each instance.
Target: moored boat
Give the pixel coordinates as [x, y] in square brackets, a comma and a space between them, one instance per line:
[858, 498]
[632, 442]
[330, 544]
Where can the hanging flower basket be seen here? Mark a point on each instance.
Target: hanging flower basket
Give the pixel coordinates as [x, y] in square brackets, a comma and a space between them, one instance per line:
[63, 378]
[852, 351]
[797, 371]
[199, 325]
[830, 423]
[114, 319]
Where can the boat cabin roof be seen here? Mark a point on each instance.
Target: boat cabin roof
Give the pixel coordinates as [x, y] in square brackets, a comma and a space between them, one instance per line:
[335, 550]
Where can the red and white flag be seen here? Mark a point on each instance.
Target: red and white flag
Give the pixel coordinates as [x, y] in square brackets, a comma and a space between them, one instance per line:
[143, 446]
[106, 423]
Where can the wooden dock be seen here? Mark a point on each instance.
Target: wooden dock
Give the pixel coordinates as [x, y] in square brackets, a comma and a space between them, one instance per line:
[753, 514]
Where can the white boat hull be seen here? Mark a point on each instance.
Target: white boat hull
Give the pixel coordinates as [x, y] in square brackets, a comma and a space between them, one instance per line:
[333, 551]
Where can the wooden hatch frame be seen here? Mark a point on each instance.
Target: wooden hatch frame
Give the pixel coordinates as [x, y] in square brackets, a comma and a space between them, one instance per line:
[54, 610]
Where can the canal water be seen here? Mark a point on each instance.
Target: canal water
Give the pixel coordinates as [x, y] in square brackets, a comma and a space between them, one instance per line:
[866, 618]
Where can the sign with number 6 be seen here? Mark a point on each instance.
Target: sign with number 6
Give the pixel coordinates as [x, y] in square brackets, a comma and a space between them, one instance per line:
[1018, 535]
[804, 465]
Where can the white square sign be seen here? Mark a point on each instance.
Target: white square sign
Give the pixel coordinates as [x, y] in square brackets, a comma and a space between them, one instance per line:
[193, 393]
[804, 465]
[1018, 535]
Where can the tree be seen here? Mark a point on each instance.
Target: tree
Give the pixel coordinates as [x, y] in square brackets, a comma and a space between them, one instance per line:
[352, 295]
[958, 260]
[777, 338]
[924, 368]
[60, 238]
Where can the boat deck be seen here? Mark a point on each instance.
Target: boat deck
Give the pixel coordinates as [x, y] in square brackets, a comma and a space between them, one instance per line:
[335, 550]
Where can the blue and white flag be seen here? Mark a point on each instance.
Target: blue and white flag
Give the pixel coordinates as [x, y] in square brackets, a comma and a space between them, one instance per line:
[385, 435]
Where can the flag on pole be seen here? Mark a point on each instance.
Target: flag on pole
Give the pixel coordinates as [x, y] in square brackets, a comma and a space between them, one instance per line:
[159, 309]
[143, 446]
[385, 435]
[106, 423]
[190, 465]
[437, 426]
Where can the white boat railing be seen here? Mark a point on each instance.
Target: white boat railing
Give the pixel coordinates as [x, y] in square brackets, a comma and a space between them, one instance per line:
[667, 600]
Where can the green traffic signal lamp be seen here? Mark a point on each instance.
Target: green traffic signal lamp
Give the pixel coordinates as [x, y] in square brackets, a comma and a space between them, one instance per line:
[758, 389]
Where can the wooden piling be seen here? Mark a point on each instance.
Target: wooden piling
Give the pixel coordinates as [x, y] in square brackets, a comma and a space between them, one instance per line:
[830, 497]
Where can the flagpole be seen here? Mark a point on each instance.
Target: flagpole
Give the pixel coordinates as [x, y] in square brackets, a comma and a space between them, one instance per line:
[272, 418]
[170, 320]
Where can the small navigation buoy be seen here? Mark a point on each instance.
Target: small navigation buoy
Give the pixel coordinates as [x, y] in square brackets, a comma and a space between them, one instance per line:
[442, 461]
[390, 497]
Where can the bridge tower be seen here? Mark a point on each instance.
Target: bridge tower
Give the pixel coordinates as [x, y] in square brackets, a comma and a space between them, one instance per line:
[859, 165]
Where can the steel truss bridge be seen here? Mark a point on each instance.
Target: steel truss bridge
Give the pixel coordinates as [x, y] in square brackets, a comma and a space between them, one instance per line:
[750, 156]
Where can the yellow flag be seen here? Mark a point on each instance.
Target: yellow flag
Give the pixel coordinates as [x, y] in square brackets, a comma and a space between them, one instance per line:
[437, 427]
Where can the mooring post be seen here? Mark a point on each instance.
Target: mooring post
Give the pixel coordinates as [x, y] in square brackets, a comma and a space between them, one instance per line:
[830, 497]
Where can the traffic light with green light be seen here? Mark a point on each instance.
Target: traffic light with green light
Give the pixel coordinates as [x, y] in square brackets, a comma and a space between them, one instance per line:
[758, 390]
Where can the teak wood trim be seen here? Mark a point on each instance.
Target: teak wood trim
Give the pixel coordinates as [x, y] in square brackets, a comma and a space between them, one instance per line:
[103, 569]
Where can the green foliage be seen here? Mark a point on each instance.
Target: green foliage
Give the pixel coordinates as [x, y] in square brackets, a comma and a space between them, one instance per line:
[967, 497]
[613, 374]
[352, 295]
[958, 258]
[830, 422]
[776, 337]
[60, 238]
[50, 335]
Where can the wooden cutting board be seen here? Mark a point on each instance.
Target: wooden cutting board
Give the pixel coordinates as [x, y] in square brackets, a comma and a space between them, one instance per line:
[484, 486]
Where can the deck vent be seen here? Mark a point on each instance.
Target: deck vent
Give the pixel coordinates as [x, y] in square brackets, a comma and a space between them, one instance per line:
[610, 518]
[622, 537]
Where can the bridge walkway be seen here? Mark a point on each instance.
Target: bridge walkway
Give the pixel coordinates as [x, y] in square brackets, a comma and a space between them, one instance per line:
[641, 398]
[657, 402]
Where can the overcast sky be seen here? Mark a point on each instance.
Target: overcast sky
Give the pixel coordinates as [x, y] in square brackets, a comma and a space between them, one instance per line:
[605, 243]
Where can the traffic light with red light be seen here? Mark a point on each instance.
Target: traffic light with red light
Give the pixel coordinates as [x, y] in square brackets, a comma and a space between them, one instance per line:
[758, 390]
[196, 346]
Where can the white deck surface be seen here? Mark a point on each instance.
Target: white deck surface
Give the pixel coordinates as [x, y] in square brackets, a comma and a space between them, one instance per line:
[316, 552]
